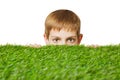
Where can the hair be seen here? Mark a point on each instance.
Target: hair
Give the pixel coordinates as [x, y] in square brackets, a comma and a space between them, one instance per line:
[62, 19]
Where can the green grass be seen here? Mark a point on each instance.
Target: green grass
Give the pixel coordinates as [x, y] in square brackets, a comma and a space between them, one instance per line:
[59, 63]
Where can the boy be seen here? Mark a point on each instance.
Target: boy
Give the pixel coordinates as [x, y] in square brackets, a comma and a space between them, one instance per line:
[62, 27]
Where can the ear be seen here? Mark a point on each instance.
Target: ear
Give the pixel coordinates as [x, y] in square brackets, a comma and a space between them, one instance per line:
[80, 38]
[46, 39]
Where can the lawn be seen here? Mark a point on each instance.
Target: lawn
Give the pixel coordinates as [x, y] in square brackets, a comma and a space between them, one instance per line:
[59, 62]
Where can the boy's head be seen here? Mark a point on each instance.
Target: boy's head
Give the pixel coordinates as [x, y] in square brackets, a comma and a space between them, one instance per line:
[62, 27]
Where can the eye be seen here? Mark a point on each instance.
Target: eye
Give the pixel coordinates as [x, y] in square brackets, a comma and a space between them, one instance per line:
[71, 40]
[55, 40]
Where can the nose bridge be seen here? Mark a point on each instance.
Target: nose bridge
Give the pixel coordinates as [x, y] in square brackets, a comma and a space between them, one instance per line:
[63, 42]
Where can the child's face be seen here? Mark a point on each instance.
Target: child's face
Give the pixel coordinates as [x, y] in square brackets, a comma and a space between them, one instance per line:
[63, 37]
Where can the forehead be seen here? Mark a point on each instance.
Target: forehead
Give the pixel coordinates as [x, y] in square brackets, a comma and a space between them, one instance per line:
[62, 33]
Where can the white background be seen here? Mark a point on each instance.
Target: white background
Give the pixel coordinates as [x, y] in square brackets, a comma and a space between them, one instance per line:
[22, 21]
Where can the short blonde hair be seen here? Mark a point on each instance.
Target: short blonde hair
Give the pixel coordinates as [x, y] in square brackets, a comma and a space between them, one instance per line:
[62, 19]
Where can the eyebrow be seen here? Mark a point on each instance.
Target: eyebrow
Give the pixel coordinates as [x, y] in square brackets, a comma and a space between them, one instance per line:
[72, 36]
[56, 37]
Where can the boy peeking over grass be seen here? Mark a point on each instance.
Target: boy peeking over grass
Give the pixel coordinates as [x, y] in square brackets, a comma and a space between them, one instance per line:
[62, 27]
